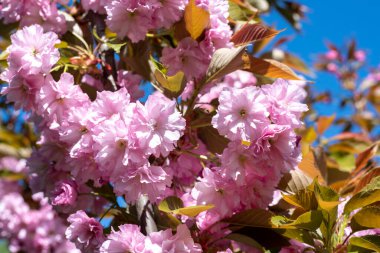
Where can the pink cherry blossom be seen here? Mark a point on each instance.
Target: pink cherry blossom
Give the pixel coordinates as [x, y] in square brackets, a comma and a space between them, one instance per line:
[242, 113]
[131, 18]
[157, 125]
[127, 239]
[143, 180]
[32, 51]
[85, 232]
[187, 57]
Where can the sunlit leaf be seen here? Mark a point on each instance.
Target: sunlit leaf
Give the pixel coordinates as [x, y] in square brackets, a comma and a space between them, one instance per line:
[171, 86]
[225, 61]
[170, 204]
[196, 19]
[296, 63]
[326, 197]
[371, 242]
[368, 216]
[366, 179]
[365, 156]
[310, 221]
[271, 68]
[238, 12]
[324, 122]
[252, 32]
[192, 211]
[294, 181]
[313, 164]
[368, 195]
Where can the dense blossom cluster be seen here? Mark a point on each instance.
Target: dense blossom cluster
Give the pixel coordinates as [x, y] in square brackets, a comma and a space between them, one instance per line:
[142, 148]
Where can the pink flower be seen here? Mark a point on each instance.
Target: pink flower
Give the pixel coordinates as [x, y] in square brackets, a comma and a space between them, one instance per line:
[45, 13]
[181, 242]
[131, 82]
[32, 51]
[157, 125]
[64, 194]
[332, 55]
[279, 146]
[131, 18]
[285, 102]
[76, 130]
[115, 146]
[143, 180]
[187, 57]
[22, 91]
[85, 232]
[217, 190]
[56, 98]
[127, 239]
[242, 113]
[360, 55]
[171, 11]
[10, 10]
[109, 103]
[95, 5]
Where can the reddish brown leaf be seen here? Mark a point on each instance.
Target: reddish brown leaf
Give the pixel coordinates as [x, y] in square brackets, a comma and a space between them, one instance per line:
[351, 136]
[271, 68]
[365, 156]
[366, 179]
[296, 63]
[313, 164]
[324, 122]
[252, 32]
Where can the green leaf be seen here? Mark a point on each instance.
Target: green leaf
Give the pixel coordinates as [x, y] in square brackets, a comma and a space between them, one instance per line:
[297, 234]
[368, 216]
[245, 240]
[62, 44]
[170, 204]
[371, 242]
[252, 218]
[309, 221]
[225, 61]
[304, 199]
[116, 47]
[171, 86]
[327, 198]
[192, 211]
[174, 205]
[238, 12]
[368, 195]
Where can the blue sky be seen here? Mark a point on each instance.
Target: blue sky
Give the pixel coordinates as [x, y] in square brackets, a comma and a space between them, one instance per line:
[336, 21]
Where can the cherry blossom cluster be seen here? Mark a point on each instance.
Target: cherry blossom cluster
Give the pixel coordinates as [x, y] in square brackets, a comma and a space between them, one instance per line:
[134, 148]
[28, 229]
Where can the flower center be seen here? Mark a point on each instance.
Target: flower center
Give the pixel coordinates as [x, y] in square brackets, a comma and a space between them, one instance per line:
[243, 113]
[121, 144]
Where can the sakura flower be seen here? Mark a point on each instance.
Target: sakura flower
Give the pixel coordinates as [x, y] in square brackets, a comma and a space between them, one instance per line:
[32, 51]
[131, 82]
[131, 18]
[143, 180]
[85, 232]
[10, 11]
[241, 114]
[95, 5]
[279, 145]
[157, 125]
[170, 12]
[285, 102]
[21, 87]
[64, 194]
[45, 13]
[127, 239]
[55, 98]
[115, 146]
[187, 57]
[181, 242]
[75, 130]
[109, 103]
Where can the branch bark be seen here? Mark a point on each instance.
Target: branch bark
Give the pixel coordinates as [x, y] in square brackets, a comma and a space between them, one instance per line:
[146, 215]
